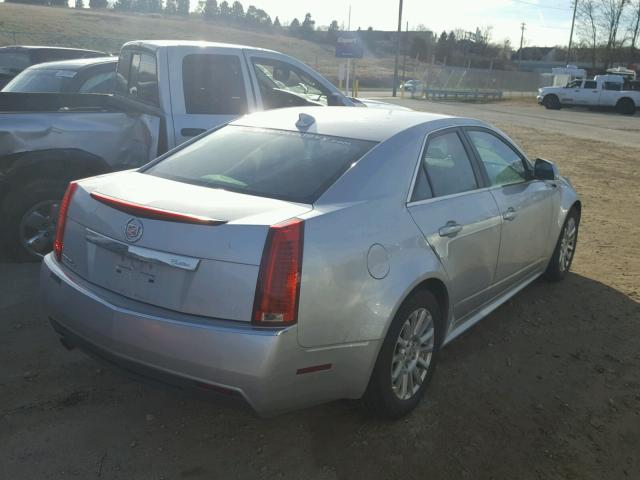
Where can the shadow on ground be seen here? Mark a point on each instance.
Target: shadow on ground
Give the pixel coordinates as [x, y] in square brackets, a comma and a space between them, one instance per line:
[548, 386]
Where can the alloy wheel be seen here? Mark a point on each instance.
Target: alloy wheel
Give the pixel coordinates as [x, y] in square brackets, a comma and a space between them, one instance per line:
[38, 227]
[412, 354]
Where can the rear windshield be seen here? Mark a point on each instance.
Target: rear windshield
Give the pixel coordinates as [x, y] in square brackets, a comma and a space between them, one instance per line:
[39, 80]
[287, 165]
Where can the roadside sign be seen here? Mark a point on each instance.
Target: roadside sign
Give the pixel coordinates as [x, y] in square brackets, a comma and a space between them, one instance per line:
[348, 46]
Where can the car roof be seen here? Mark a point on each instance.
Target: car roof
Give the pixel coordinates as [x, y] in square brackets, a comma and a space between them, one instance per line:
[156, 44]
[74, 64]
[376, 124]
[44, 47]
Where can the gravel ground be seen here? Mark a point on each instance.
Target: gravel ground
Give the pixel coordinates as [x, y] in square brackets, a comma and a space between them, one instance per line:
[546, 387]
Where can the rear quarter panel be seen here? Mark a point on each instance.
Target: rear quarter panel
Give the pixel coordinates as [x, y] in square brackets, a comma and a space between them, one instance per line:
[340, 300]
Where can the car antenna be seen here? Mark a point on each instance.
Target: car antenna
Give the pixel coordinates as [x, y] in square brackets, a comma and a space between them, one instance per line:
[305, 121]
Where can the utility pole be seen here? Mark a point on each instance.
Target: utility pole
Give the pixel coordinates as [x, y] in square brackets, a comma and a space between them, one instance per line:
[395, 68]
[522, 27]
[575, 8]
[348, 59]
[406, 44]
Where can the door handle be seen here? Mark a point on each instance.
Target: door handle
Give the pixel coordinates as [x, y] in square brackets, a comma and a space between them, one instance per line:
[510, 214]
[192, 132]
[451, 229]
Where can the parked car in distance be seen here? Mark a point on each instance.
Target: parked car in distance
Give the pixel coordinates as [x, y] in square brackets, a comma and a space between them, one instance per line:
[167, 92]
[15, 58]
[604, 91]
[303, 255]
[411, 86]
[81, 75]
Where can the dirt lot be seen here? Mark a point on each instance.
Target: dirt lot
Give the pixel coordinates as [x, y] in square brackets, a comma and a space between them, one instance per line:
[546, 387]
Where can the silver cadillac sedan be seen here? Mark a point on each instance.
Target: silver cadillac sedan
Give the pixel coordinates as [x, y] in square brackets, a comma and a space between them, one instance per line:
[303, 255]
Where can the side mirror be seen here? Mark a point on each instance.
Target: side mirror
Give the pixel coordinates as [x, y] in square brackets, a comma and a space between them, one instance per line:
[545, 170]
[335, 100]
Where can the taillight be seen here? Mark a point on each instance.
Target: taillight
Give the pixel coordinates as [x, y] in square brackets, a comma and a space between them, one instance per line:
[278, 288]
[62, 220]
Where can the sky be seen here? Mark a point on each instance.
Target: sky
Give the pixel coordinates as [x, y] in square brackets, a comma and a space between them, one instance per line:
[548, 22]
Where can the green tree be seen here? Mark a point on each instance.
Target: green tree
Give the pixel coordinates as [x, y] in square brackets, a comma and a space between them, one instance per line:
[294, 27]
[58, 3]
[332, 32]
[307, 27]
[79, 4]
[441, 47]
[225, 10]
[170, 7]
[237, 12]
[97, 4]
[183, 8]
[276, 23]
[124, 5]
[209, 9]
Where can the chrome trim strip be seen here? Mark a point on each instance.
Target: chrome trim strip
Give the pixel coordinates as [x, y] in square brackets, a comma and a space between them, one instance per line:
[145, 254]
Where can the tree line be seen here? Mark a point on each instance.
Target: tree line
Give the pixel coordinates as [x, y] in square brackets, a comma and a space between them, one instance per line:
[608, 31]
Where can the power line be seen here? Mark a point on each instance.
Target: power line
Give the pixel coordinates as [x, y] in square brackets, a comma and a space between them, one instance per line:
[549, 7]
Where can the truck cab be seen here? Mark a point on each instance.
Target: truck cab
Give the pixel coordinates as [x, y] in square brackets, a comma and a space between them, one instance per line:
[200, 85]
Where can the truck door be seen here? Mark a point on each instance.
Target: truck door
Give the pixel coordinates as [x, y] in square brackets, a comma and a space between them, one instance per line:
[588, 93]
[209, 87]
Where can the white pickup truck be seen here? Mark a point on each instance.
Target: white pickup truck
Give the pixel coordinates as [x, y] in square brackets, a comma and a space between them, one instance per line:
[605, 91]
[167, 92]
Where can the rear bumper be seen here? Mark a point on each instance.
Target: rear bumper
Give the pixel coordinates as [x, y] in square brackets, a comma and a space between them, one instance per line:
[260, 365]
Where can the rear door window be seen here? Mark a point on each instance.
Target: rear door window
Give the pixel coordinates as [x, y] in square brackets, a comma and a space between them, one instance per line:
[213, 84]
[289, 165]
[448, 166]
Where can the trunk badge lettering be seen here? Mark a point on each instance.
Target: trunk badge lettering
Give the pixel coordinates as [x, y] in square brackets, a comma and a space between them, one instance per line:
[133, 230]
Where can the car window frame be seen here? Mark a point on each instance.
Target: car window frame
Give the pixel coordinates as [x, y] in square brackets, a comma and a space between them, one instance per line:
[523, 158]
[480, 177]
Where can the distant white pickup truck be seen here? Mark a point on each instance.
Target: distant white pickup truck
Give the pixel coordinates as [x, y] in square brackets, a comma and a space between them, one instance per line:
[606, 91]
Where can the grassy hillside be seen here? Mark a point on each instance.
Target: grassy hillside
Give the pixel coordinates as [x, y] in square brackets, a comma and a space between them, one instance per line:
[108, 30]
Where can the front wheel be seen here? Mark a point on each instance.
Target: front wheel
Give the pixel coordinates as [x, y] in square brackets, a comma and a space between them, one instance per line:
[565, 250]
[407, 359]
[551, 102]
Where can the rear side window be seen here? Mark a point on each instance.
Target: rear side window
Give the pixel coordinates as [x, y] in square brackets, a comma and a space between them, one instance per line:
[213, 84]
[289, 165]
[448, 166]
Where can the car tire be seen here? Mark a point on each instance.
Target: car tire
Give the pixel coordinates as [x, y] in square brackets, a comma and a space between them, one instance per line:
[625, 106]
[551, 102]
[389, 399]
[564, 252]
[29, 212]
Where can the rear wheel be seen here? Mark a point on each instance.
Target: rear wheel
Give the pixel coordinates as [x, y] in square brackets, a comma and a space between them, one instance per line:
[551, 102]
[31, 215]
[625, 106]
[407, 359]
[562, 258]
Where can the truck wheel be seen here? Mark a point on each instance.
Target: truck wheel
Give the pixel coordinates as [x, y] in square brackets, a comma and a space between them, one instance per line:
[625, 106]
[407, 359]
[551, 102]
[31, 215]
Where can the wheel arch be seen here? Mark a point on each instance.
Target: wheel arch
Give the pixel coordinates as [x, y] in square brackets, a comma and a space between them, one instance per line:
[64, 164]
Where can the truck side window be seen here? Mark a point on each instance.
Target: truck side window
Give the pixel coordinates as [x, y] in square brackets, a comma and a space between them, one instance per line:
[283, 85]
[590, 85]
[137, 76]
[148, 78]
[213, 84]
